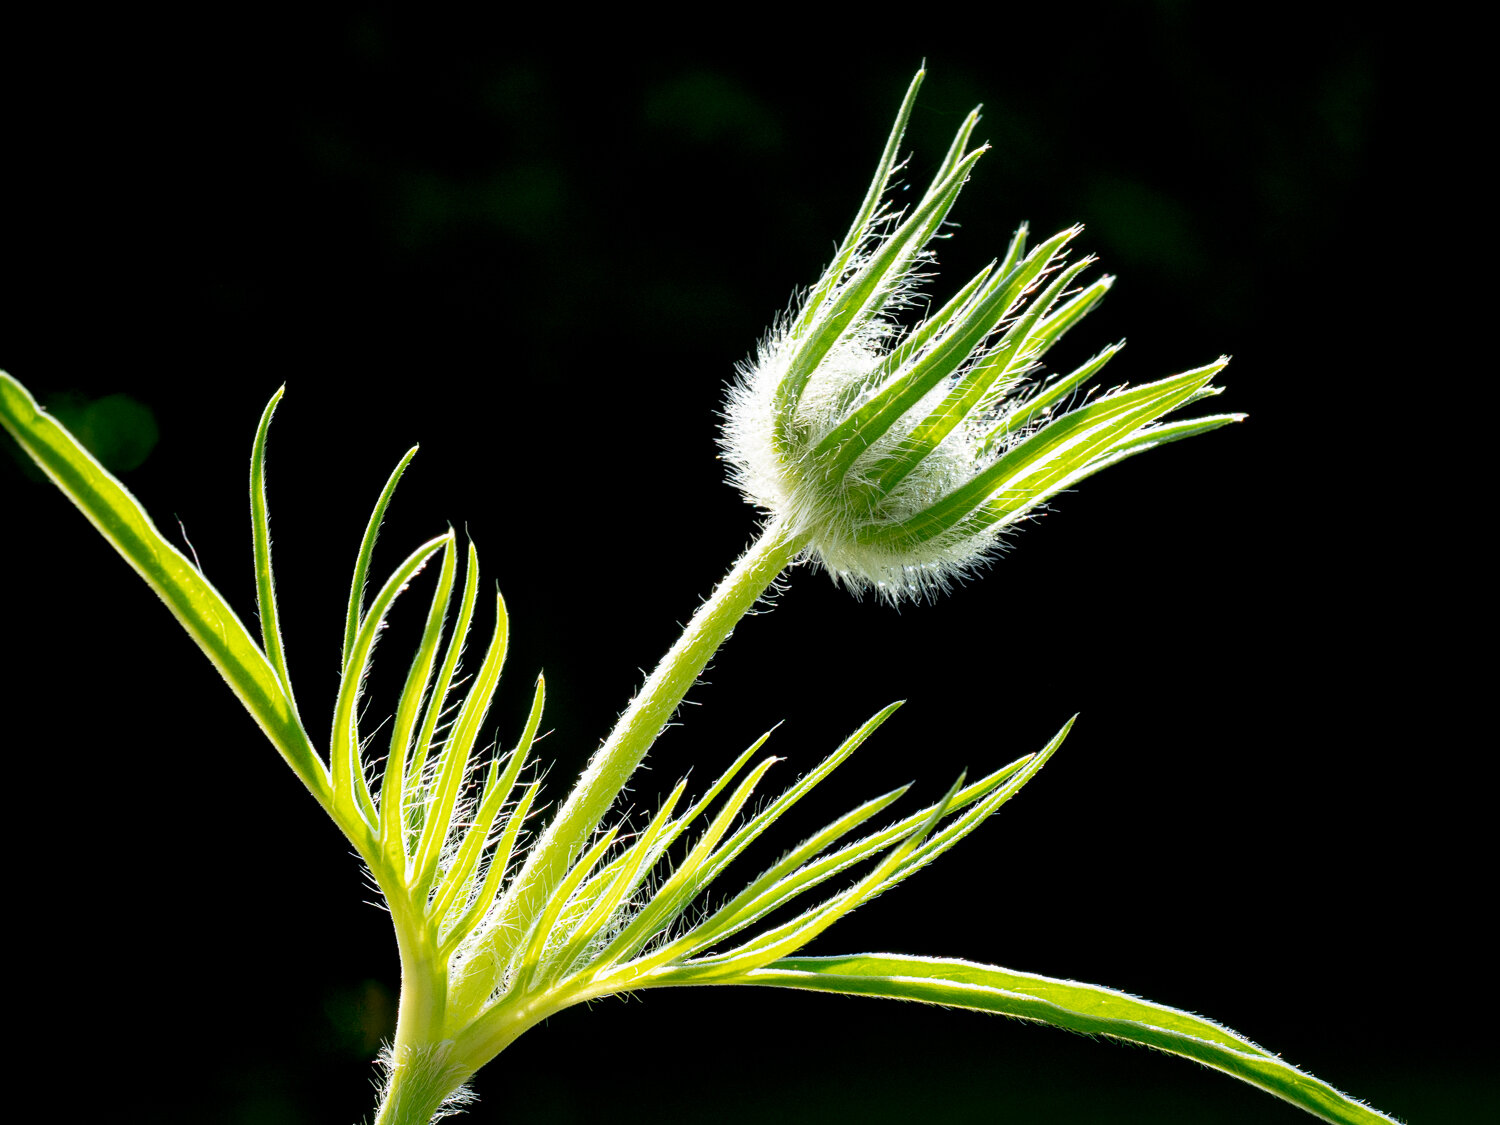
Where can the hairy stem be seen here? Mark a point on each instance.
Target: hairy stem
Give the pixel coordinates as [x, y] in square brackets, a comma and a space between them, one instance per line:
[649, 712]
[421, 1079]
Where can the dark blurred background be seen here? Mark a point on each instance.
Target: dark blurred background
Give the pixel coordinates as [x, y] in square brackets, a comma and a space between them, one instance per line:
[540, 251]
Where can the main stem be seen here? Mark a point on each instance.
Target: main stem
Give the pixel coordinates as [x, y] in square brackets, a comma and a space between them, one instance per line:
[648, 714]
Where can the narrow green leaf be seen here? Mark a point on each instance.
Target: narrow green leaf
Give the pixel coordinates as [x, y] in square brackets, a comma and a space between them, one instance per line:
[799, 871]
[417, 773]
[934, 843]
[543, 930]
[452, 765]
[683, 885]
[496, 791]
[1085, 1008]
[350, 789]
[960, 826]
[734, 916]
[198, 607]
[748, 832]
[791, 936]
[493, 875]
[513, 924]
[260, 526]
[393, 789]
[366, 550]
[720, 784]
[620, 879]
[756, 825]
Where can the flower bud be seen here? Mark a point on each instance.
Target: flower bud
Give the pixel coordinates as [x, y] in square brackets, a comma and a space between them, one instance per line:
[901, 456]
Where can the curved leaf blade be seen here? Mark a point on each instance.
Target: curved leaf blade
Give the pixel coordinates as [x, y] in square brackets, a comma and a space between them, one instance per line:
[355, 617]
[260, 524]
[1088, 1008]
[198, 607]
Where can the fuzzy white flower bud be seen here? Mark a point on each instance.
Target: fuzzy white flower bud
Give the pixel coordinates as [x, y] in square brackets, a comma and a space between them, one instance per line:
[902, 456]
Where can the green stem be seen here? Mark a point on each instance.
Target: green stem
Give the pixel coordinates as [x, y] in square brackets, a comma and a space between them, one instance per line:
[422, 1077]
[648, 713]
[422, 1068]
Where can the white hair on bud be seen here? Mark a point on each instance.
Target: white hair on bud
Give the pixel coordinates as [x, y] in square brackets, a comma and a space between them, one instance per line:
[822, 509]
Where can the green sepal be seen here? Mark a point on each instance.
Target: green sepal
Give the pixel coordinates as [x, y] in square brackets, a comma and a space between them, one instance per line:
[910, 345]
[1168, 432]
[866, 294]
[868, 212]
[974, 386]
[1015, 421]
[908, 384]
[1047, 460]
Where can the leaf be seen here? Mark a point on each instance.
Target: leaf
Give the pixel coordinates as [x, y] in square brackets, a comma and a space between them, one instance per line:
[366, 551]
[685, 882]
[806, 866]
[1068, 1004]
[417, 770]
[544, 928]
[393, 792]
[458, 876]
[351, 790]
[260, 521]
[793, 935]
[451, 768]
[198, 607]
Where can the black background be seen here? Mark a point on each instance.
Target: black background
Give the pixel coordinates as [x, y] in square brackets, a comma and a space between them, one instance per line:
[540, 254]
